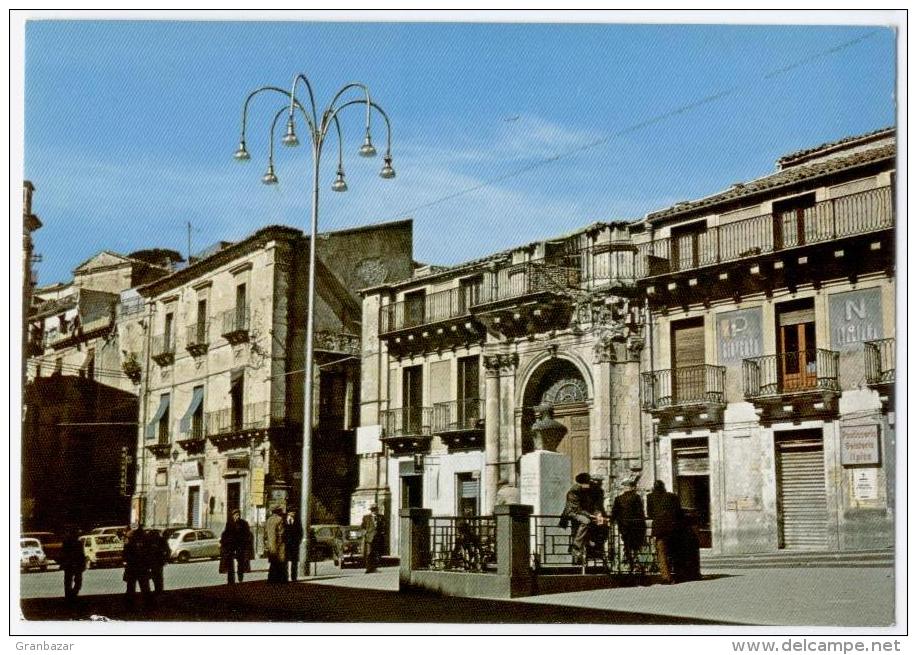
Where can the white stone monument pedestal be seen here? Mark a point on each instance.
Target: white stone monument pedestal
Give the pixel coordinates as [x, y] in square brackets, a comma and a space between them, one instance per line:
[544, 480]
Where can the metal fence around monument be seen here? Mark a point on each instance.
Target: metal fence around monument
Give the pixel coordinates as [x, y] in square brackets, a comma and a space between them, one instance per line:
[551, 548]
[463, 543]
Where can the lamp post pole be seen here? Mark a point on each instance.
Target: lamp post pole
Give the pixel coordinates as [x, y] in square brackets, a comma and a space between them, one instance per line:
[318, 127]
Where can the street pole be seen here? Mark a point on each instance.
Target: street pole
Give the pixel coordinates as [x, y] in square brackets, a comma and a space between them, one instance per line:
[318, 130]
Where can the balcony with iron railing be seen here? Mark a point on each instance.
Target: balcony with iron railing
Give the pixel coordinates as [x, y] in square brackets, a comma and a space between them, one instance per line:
[248, 417]
[460, 423]
[685, 397]
[162, 348]
[234, 324]
[407, 429]
[197, 338]
[829, 220]
[433, 308]
[880, 369]
[194, 437]
[797, 383]
[684, 386]
[558, 276]
[603, 265]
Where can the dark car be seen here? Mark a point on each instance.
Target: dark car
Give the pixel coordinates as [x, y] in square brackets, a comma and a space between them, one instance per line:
[348, 545]
[322, 544]
[50, 543]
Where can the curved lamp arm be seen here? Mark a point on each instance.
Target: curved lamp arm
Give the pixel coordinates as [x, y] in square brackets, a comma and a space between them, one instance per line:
[388, 124]
[344, 89]
[281, 112]
[305, 80]
[256, 92]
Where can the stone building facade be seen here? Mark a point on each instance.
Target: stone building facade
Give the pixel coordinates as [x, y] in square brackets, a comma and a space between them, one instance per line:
[772, 365]
[80, 409]
[456, 359]
[222, 375]
[740, 348]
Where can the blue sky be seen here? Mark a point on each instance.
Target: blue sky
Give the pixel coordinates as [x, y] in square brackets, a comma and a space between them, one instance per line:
[130, 126]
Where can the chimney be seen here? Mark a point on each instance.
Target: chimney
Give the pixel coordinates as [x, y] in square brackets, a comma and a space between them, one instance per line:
[27, 190]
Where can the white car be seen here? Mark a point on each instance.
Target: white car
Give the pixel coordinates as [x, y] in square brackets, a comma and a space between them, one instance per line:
[102, 550]
[32, 555]
[193, 543]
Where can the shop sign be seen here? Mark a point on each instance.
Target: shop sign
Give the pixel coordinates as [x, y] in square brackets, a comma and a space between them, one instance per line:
[859, 445]
[855, 317]
[866, 484]
[738, 335]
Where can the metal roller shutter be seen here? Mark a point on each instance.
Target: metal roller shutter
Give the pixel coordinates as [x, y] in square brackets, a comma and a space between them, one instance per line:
[804, 508]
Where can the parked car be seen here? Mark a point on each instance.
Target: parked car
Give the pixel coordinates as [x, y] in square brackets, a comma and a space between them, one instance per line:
[322, 544]
[102, 550]
[51, 544]
[31, 555]
[348, 545]
[193, 543]
[117, 530]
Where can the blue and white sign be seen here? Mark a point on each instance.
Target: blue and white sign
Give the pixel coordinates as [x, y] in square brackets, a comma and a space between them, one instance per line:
[855, 317]
[738, 335]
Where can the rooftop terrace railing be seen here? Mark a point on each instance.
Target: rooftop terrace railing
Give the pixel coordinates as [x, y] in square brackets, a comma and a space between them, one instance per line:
[850, 215]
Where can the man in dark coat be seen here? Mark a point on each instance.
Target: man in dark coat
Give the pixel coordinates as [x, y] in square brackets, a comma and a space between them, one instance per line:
[236, 548]
[292, 536]
[157, 555]
[373, 538]
[627, 512]
[136, 566]
[664, 510]
[73, 562]
[275, 546]
[580, 512]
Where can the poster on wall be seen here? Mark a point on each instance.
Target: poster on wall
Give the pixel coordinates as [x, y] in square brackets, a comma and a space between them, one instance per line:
[738, 335]
[866, 484]
[855, 317]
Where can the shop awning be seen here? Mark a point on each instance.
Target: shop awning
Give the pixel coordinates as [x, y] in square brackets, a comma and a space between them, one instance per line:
[196, 399]
[160, 412]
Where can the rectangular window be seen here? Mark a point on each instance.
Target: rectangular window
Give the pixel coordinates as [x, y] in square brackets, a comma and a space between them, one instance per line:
[197, 419]
[167, 329]
[414, 308]
[469, 292]
[797, 354]
[468, 396]
[163, 428]
[241, 306]
[794, 221]
[686, 245]
[201, 330]
[412, 399]
[237, 399]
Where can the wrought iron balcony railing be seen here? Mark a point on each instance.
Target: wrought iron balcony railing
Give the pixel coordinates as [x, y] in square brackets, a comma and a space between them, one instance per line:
[854, 214]
[197, 337]
[407, 422]
[253, 416]
[432, 308]
[880, 361]
[235, 323]
[688, 385]
[529, 278]
[458, 415]
[162, 348]
[790, 373]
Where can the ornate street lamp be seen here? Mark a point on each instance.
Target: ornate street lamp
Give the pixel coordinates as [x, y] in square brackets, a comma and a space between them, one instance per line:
[317, 127]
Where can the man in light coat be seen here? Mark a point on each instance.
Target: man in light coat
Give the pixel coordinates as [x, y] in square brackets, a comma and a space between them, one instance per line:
[275, 546]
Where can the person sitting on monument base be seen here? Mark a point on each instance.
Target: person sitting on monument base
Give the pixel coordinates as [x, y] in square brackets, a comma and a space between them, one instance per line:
[582, 514]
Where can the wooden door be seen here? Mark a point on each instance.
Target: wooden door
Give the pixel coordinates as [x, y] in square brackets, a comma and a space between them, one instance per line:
[687, 360]
[575, 443]
[412, 390]
[414, 308]
[797, 360]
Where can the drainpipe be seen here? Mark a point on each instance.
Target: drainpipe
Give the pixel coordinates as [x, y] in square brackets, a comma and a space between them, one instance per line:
[649, 332]
[143, 397]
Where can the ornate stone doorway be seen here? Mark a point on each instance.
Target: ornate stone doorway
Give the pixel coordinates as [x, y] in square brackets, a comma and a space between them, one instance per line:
[558, 382]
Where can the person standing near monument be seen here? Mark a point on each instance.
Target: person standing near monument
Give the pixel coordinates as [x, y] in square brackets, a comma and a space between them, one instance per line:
[373, 538]
[627, 513]
[275, 546]
[664, 510]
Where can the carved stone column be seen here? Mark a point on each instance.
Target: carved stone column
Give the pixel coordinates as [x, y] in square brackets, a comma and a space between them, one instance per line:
[508, 445]
[491, 430]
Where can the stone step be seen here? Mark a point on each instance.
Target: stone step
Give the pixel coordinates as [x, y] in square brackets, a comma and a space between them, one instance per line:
[866, 558]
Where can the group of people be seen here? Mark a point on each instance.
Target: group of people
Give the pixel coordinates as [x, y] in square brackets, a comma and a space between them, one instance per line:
[677, 548]
[283, 533]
